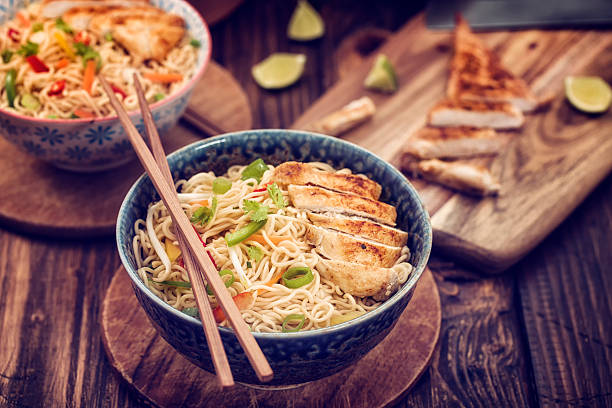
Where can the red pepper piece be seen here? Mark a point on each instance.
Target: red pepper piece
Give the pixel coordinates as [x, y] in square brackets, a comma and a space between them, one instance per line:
[14, 35]
[209, 255]
[36, 64]
[264, 188]
[118, 90]
[242, 300]
[82, 37]
[57, 88]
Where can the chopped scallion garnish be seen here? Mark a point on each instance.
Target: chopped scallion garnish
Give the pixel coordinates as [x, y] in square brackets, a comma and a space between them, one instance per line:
[293, 323]
[297, 277]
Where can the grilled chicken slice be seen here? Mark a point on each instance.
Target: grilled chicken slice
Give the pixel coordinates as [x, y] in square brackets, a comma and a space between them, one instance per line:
[498, 115]
[304, 173]
[58, 8]
[346, 118]
[79, 18]
[322, 200]
[346, 247]
[478, 75]
[146, 32]
[360, 280]
[360, 227]
[467, 178]
[453, 143]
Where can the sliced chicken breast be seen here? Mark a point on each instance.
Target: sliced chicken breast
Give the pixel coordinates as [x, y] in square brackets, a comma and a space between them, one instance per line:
[498, 115]
[360, 227]
[305, 174]
[346, 247]
[453, 143]
[360, 280]
[58, 8]
[467, 178]
[346, 118]
[147, 32]
[318, 199]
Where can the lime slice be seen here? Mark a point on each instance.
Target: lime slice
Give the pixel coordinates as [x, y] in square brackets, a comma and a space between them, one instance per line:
[305, 24]
[588, 93]
[279, 70]
[382, 76]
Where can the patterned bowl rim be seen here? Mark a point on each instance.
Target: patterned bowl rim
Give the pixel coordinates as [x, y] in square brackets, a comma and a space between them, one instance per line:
[136, 113]
[221, 139]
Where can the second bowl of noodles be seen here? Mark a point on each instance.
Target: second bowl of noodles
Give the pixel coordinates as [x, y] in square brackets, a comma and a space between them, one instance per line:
[306, 320]
[52, 105]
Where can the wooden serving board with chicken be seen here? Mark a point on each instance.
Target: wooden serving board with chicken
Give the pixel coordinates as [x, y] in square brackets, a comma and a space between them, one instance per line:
[480, 125]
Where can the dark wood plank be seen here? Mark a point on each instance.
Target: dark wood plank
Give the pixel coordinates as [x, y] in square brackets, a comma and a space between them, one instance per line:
[565, 287]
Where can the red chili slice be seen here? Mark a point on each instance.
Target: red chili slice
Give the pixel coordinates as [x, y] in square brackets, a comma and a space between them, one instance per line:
[36, 64]
[204, 244]
[82, 37]
[57, 88]
[14, 35]
[118, 90]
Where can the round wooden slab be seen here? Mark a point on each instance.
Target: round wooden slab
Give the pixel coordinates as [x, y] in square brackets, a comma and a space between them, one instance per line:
[38, 198]
[167, 379]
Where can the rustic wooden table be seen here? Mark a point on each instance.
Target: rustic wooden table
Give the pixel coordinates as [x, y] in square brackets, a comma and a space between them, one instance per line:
[540, 334]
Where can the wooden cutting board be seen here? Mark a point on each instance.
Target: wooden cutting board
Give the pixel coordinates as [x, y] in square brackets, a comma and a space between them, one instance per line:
[547, 168]
[137, 352]
[40, 199]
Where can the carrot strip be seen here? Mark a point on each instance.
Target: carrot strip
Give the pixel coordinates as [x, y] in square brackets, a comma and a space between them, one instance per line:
[83, 114]
[203, 203]
[23, 20]
[274, 239]
[275, 278]
[163, 78]
[62, 63]
[88, 77]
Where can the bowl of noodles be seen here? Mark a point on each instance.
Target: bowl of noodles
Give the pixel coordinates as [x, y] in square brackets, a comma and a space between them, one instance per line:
[52, 105]
[313, 311]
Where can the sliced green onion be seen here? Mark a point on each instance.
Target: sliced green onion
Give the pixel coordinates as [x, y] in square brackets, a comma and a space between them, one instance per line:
[254, 170]
[292, 319]
[243, 233]
[221, 185]
[158, 97]
[6, 56]
[191, 311]
[297, 277]
[249, 264]
[51, 116]
[9, 85]
[36, 27]
[178, 284]
[108, 36]
[30, 102]
[195, 43]
[228, 282]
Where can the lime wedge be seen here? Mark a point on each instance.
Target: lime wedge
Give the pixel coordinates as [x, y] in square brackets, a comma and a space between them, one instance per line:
[382, 76]
[305, 24]
[279, 70]
[588, 93]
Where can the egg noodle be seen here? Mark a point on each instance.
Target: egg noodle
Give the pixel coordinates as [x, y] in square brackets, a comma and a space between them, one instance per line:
[282, 245]
[117, 66]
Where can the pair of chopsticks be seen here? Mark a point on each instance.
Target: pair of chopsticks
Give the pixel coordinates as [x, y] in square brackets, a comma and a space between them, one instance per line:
[197, 262]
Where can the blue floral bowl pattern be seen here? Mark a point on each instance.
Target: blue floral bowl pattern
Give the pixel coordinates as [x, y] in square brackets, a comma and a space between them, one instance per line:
[88, 145]
[295, 357]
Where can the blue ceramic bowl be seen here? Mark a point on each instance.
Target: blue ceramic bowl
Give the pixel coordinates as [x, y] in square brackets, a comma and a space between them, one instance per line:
[294, 357]
[88, 145]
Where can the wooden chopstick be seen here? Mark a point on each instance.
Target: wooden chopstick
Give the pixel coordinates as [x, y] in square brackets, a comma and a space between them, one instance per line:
[217, 352]
[168, 195]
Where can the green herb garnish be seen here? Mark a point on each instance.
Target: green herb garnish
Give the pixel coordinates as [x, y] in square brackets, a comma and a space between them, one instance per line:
[108, 37]
[36, 27]
[62, 25]
[195, 43]
[256, 211]
[249, 264]
[6, 56]
[255, 253]
[221, 185]
[88, 53]
[178, 284]
[191, 311]
[28, 49]
[276, 195]
[158, 97]
[203, 215]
